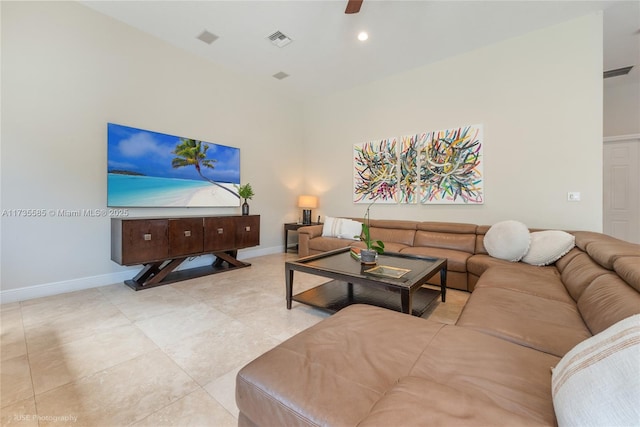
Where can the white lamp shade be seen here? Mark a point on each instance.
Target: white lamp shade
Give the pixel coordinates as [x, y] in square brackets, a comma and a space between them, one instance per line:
[309, 202]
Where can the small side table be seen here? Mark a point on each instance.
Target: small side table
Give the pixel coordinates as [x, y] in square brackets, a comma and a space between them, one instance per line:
[293, 226]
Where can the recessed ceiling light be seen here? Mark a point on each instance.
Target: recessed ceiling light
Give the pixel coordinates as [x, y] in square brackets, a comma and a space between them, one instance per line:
[363, 36]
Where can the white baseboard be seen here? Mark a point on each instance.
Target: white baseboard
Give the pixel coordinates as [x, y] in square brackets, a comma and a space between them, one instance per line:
[256, 252]
[71, 285]
[55, 288]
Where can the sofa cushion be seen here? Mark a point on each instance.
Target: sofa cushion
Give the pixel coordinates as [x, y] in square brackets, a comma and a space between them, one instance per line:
[606, 301]
[447, 227]
[508, 240]
[585, 238]
[542, 281]
[391, 235]
[485, 368]
[544, 324]
[610, 360]
[548, 246]
[481, 231]
[456, 260]
[478, 264]
[579, 273]
[606, 250]
[628, 268]
[562, 263]
[449, 406]
[324, 244]
[453, 241]
[394, 224]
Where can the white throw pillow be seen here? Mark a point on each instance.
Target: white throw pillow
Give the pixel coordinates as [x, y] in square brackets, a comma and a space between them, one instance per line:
[331, 227]
[350, 229]
[508, 240]
[597, 383]
[341, 228]
[548, 246]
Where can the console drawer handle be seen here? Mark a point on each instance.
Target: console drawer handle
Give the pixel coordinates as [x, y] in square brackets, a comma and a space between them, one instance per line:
[147, 237]
[247, 228]
[187, 233]
[220, 230]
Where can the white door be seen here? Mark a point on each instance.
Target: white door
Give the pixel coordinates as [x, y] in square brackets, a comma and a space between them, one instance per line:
[621, 187]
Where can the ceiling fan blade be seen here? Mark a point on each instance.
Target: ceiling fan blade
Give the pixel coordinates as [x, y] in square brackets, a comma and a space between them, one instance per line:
[353, 6]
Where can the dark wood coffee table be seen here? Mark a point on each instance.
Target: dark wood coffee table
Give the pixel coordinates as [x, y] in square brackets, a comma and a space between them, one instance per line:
[352, 284]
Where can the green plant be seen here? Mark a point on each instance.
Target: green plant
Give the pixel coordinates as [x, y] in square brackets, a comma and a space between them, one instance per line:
[245, 191]
[378, 245]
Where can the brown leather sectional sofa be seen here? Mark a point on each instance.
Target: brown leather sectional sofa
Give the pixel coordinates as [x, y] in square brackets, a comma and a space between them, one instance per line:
[369, 366]
[458, 242]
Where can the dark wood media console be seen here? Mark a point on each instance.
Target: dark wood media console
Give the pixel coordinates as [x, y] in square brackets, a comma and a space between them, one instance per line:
[162, 244]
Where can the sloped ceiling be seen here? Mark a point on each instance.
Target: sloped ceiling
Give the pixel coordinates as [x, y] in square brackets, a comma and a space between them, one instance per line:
[326, 55]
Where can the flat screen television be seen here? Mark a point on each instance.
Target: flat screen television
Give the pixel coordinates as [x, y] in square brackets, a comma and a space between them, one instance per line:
[151, 169]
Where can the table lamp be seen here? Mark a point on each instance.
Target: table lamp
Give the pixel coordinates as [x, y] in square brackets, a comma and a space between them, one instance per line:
[307, 203]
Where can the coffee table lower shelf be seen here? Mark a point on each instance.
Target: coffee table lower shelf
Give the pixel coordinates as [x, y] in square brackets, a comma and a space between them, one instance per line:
[335, 295]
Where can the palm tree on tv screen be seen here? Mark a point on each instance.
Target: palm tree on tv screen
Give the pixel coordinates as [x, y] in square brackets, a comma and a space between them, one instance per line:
[190, 152]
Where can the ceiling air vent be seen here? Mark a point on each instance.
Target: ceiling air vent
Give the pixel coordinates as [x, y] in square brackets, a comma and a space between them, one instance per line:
[207, 37]
[617, 72]
[279, 39]
[281, 75]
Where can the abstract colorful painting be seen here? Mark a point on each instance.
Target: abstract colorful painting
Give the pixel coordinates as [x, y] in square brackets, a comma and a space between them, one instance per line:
[375, 172]
[450, 163]
[409, 147]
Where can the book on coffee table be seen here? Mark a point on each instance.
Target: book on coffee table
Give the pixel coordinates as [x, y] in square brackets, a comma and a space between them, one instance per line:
[387, 271]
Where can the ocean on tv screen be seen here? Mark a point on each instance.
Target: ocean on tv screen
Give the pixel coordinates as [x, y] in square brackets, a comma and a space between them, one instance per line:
[149, 191]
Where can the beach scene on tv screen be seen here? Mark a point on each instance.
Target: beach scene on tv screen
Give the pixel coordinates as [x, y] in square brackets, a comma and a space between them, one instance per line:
[151, 169]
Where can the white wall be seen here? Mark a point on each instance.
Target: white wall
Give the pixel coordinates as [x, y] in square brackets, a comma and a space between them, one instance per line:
[67, 71]
[622, 104]
[539, 98]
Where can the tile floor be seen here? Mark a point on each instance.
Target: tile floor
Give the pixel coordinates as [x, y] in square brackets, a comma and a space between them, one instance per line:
[166, 356]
